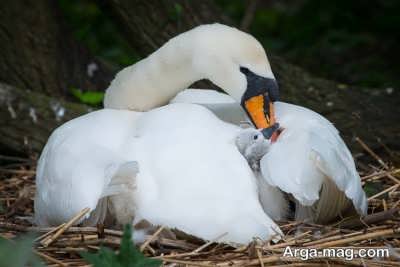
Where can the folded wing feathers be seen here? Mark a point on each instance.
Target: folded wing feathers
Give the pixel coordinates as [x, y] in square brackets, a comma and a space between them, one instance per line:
[288, 167]
[319, 141]
[307, 156]
[335, 161]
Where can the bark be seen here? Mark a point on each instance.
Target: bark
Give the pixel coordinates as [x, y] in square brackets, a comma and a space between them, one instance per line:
[38, 53]
[147, 24]
[28, 118]
[367, 113]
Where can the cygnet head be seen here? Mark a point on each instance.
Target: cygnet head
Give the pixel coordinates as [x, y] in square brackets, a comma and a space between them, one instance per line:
[248, 137]
[252, 144]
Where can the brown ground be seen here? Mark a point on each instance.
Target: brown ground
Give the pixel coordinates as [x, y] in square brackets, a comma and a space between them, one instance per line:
[381, 228]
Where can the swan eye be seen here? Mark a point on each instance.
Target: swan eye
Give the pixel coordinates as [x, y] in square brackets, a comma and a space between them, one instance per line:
[255, 137]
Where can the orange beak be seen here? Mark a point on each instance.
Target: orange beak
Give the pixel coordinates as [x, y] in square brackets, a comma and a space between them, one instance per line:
[255, 108]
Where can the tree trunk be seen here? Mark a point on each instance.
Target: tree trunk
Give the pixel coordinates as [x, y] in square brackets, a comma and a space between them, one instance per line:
[147, 24]
[367, 113]
[38, 53]
[28, 118]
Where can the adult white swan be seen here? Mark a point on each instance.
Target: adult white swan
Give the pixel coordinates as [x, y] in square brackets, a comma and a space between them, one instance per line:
[310, 157]
[175, 165]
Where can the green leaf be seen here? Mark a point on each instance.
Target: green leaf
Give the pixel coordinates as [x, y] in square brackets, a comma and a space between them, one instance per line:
[93, 98]
[175, 13]
[104, 258]
[18, 253]
[372, 188]
[128, 256]
[178, 9]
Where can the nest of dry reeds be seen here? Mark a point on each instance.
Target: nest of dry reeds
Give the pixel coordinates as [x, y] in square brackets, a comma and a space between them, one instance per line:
[61, 246]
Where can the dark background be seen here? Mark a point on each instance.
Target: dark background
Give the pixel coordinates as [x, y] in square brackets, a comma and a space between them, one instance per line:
[339, 58]
[353, 42]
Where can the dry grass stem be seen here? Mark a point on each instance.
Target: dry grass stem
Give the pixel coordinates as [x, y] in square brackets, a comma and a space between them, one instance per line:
[61, 245]
[63, 228]
[145, 244]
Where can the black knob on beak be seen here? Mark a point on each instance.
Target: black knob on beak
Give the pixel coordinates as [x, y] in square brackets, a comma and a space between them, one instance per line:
[267, 132]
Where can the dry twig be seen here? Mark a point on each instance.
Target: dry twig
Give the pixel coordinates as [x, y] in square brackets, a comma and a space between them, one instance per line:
[62, 229]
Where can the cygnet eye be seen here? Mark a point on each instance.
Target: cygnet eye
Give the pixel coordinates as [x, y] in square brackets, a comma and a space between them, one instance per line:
[255, 137]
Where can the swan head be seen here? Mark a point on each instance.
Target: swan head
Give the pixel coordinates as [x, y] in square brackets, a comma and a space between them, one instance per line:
[236, 62]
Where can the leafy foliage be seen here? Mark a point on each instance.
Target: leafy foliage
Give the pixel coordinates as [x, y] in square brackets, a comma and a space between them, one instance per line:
[372, 188]
[90, 26]
[176, 12]
[348, 41]
[128, 256]
[18, 253]
[93, 98]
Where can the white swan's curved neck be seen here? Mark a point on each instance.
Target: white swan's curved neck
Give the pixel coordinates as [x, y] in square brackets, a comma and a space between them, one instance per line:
[215, 52]
[156, 79]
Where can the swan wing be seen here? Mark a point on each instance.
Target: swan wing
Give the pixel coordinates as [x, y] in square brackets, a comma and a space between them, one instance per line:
[81, 164]
[309, 156]
[193, 178]
[309, 160]
[222, 105]
[190, 175]
[202, 96]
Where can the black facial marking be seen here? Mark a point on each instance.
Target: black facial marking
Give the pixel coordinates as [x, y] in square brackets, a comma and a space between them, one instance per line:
[244, 70]
[258, 85]
[267, 132]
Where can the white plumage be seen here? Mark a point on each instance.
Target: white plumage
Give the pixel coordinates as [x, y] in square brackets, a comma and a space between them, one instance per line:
[201, 53]
[307, 153]
[205, 186]
[190, 176]
[178, 165]
[253, 146]
[78, 163]
[308, 156]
